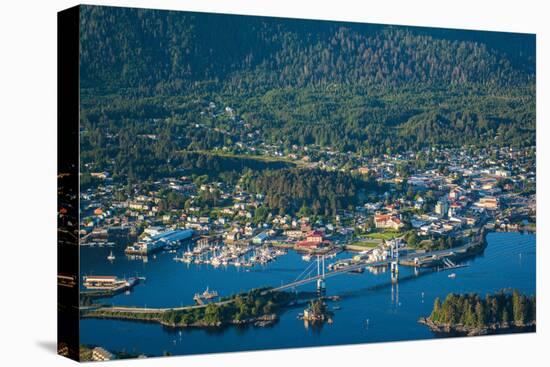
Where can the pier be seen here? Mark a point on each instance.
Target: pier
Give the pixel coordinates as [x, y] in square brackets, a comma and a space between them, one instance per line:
[108, 286]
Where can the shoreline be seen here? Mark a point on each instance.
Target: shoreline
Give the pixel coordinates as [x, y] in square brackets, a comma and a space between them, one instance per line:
[259, 321]
[447, 330]
[159, 315]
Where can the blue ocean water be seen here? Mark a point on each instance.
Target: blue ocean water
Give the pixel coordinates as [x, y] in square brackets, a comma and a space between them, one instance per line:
[372, 309]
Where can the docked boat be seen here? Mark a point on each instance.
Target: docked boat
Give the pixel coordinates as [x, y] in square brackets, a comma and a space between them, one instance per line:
[207, 295]
[215, 261]
[306, 257]
[111, 256]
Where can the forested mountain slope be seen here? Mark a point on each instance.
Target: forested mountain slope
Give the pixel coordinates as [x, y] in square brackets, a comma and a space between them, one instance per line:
[148, 78]
[170, 50]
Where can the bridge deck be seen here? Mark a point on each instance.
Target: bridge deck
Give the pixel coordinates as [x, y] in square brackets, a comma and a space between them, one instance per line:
[366, 264]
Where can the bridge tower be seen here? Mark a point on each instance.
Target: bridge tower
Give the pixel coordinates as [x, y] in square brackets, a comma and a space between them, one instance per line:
[394, 265]
[321, 286]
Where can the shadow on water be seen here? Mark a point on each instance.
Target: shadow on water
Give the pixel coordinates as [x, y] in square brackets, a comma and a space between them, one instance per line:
[364, 291]
[276, 270]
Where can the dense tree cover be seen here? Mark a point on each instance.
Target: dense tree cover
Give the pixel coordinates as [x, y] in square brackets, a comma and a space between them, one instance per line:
[87, 181]
[147, 78]
[253, 304]
[157, 51]
[432, 244]
[471, 311]
[287, 191]
[131, 156]
[213, 164]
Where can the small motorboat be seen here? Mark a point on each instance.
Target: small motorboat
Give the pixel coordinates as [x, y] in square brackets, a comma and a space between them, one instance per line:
[111, 256]
[452, 275]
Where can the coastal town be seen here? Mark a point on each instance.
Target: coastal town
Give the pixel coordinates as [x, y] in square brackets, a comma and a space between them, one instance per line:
[434, 207]
[429, 199]
[326, 182]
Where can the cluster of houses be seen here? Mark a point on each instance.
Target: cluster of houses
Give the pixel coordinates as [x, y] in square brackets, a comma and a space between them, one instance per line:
[457, 191]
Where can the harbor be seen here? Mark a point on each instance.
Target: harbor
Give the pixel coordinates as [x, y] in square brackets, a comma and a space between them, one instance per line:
[230, 255]
[362, 297]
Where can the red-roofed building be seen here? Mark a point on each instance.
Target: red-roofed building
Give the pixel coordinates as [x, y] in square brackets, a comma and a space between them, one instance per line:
[314, 239]
[387, 221]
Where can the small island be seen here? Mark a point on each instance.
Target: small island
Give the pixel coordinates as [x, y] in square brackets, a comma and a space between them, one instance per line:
[258, 307]
[317, 312]
[470, 315]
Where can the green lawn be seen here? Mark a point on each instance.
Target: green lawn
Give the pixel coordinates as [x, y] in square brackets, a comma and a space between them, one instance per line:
[384, 235]
[365, 243]
[263, 158]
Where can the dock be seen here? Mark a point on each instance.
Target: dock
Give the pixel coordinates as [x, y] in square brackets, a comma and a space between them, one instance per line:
[204, 297]
[108, 286]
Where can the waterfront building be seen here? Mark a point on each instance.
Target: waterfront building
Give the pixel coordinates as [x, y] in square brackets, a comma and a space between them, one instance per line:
[103, 282]
[159, 241]
[260, 238]
[314, 239]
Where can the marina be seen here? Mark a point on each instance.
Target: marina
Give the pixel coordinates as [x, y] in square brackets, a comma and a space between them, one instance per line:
[360, 297]
[220, 254]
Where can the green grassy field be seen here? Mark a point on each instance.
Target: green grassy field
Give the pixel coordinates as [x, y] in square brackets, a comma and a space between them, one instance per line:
[384, 235]
[263, 158]
[366, 243]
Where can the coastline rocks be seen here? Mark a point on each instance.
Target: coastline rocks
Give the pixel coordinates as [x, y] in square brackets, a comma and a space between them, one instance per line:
[461, 330]
[260, 321]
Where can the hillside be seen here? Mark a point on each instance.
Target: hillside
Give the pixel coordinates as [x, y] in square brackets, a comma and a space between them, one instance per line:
[159, 51]
[369, 89]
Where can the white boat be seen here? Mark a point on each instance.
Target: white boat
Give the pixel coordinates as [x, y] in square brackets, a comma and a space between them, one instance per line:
[452, 275]
[111, 256]
[306, 257]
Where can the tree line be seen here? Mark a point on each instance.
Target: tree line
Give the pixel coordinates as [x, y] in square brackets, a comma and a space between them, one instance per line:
[472, 311]
[288, 190]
